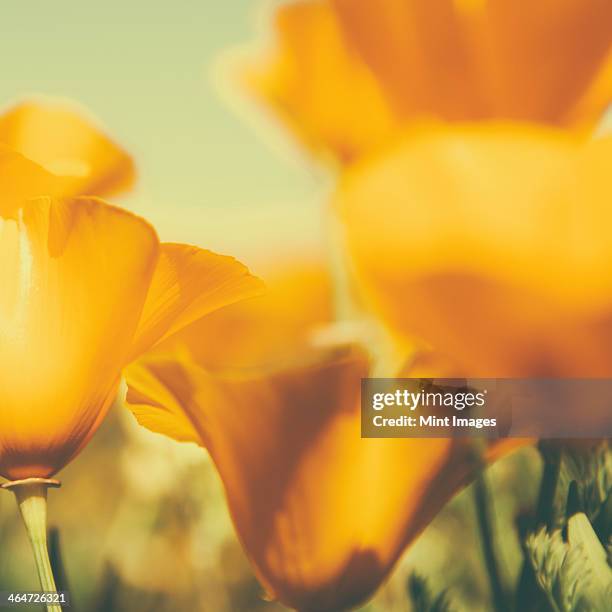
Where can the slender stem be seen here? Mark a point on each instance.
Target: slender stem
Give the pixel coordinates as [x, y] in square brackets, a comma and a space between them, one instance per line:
[31, 495]
[484, 510]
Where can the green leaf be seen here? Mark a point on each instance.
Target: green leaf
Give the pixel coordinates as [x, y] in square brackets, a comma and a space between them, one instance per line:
[580, 534]
[421, 598]
[585, 481]
[574, 575]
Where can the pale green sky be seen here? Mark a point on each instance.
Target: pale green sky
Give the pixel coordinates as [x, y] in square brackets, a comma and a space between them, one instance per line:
[145, 69]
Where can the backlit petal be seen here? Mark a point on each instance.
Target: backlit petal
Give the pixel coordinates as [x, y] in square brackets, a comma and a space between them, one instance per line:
[73, 282]
[188, 284]
[167, 416]
[322, 513]
[268, 330]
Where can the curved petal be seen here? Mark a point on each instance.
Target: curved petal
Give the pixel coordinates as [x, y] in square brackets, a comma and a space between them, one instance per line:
[322, 513]
[311, 75]
[167, 417]
[420, 53]
[188, 284]
[72, 286]
[67, 145]
[264, 331]
[468, 59]
[485, 242]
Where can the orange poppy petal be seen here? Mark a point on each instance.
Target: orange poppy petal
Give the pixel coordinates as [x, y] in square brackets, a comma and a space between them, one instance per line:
[267, 330]
[168, 418]
[311, 75]
[418, 52]
[469, 59]
[549, 54]
[74, 279]
[188, 284]
[485, 241]
[67, 145]
[322, 513]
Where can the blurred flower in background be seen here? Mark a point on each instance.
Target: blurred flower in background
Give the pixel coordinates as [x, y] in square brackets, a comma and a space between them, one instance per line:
[490, 244]
[361, 80]
[345, 74]
[55, 135]
[318, 85]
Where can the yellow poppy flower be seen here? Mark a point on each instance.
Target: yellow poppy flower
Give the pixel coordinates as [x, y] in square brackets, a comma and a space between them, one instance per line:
[84, 288]
[489, 244]
[66, 145]
[344, 71]
[322, 513]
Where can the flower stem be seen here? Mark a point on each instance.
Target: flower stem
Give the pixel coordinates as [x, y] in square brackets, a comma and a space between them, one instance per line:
[31, 495]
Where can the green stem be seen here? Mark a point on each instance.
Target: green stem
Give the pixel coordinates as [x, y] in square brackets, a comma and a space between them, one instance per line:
[484, 513]
[31, 495]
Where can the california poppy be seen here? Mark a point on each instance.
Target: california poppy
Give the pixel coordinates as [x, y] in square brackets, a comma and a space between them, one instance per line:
[344, 72]
[489, 244]
[322, 513]
[84, 289]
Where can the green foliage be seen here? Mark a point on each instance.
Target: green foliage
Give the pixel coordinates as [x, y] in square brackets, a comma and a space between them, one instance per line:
[584, 482]
[569, 561]
[558, 569]
[422, 599]
[574, 575]
[580, 534]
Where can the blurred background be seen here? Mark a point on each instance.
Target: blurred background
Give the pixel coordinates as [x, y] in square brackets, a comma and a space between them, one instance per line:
[141, 520]
[153, 74]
